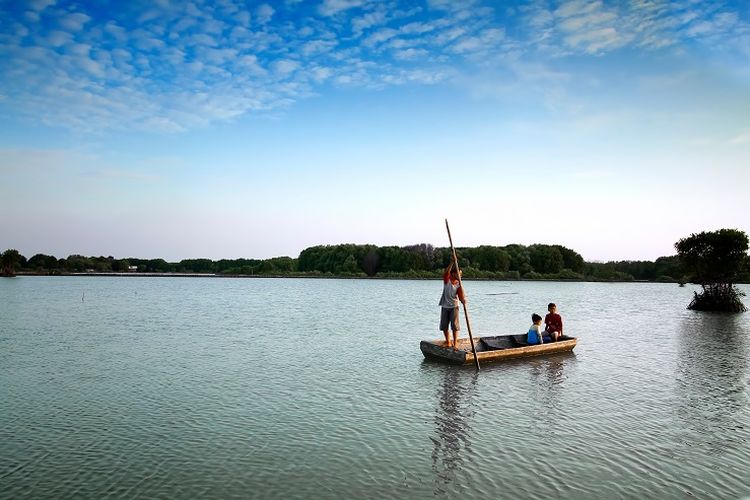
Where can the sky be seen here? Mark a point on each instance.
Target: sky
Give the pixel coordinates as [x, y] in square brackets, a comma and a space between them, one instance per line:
[232, 128]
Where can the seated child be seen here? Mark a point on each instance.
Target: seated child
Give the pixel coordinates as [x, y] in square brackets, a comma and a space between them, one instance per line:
[553, 323]
[535, 335]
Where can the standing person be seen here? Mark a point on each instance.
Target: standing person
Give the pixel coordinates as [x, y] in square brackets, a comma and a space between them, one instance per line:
[452, 294]
[553, 323]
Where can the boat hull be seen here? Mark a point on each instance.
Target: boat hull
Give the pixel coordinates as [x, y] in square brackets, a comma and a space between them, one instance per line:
[496, 348]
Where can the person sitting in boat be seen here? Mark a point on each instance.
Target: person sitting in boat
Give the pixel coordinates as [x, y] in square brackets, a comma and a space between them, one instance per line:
[535, 335]
[553, 323]
[452, 293]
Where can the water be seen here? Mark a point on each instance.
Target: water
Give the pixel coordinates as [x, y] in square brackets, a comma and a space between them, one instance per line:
[287, 388]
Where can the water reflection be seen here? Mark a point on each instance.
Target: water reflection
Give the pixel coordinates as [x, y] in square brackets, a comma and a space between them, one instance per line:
[711, 371]
[548, 373]
[452, 423]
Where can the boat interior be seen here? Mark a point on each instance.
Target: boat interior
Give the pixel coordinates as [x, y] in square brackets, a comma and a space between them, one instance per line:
[500, 342]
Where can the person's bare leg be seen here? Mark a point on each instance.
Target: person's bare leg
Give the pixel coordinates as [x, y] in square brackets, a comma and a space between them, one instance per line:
[455, 339]
[447, 338]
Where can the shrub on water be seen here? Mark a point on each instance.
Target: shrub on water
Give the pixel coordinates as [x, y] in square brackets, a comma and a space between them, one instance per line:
[715, 259]
[722, 298]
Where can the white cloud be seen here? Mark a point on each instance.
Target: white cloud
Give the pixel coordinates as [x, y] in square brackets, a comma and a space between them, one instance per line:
[321, 74]
[183, 24]
[264, 13]
[596, 40]
[719, 24]
[409, 54]
[59, 38]
[202, 39]
[449, 35]
[318, 47]
[148, 43]
[148, 15]
[40, 5]
[333, 7]
[367, 21]
[576, 23]
[116, 31]
[596, 27]
[380, 36]
[742, 138]
[417, 28]
[250, 64]
[192, 49]
[284, 67]
[32, 16]
[74, 22]
[243, 17]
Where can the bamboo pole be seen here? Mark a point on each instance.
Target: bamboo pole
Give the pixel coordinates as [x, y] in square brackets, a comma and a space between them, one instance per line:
[460, 284]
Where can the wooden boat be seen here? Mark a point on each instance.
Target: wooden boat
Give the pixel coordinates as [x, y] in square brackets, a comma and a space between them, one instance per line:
[493, 348]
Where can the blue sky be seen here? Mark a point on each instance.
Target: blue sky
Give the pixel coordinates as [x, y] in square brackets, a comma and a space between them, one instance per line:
[241, 129]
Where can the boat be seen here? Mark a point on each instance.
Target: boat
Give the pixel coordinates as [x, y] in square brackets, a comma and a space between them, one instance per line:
[499, 347]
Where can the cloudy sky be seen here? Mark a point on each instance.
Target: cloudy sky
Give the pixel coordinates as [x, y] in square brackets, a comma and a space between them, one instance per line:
[238, 129]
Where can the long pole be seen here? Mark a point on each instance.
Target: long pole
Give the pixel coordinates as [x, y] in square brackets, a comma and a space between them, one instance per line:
[460, 284]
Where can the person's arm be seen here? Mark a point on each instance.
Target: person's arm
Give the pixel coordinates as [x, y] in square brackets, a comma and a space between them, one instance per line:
[539, 334]
[561, 325]
[461, 296]
[447, 273]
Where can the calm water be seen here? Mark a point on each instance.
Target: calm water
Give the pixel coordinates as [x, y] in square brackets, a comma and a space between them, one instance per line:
[279, 388]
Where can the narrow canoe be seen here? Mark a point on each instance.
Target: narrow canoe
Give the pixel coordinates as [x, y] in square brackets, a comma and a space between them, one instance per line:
[492, 348]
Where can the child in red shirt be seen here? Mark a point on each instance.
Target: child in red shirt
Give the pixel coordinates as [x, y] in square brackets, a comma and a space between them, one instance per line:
[553, 323]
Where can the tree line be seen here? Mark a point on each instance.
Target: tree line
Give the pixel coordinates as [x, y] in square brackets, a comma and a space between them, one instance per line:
[509, 262]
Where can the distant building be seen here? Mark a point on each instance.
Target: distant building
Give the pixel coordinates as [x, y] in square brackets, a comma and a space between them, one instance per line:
[132, 269]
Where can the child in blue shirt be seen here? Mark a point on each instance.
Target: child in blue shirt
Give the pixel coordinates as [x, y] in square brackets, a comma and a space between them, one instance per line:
[535, 332]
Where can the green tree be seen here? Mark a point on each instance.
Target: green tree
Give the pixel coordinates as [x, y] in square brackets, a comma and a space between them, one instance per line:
[282, 265]
[120, 266]
[546, 259]
[519, 258]
[79, 263]
[714, 259]
[10, 260]
[350, 265]
[41, 262]
[158, 266]
[571, 259]
[490, 258]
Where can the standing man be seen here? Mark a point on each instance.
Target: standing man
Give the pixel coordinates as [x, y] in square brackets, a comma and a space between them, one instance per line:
[452, 293]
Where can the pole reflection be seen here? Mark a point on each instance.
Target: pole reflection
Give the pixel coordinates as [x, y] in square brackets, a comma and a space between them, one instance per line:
[453, 426]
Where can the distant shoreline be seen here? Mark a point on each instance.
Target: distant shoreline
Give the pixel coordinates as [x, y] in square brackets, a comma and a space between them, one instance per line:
[342, 277]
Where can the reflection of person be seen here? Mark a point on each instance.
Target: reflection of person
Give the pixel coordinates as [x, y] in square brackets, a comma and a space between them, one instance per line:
[452, 430]
[553, 323]
[452, 293]
[535, 335]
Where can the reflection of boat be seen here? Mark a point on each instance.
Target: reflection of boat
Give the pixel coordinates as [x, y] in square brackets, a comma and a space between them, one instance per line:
[493, 348]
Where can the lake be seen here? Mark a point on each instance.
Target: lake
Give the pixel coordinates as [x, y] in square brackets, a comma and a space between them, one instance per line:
[299, 388]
